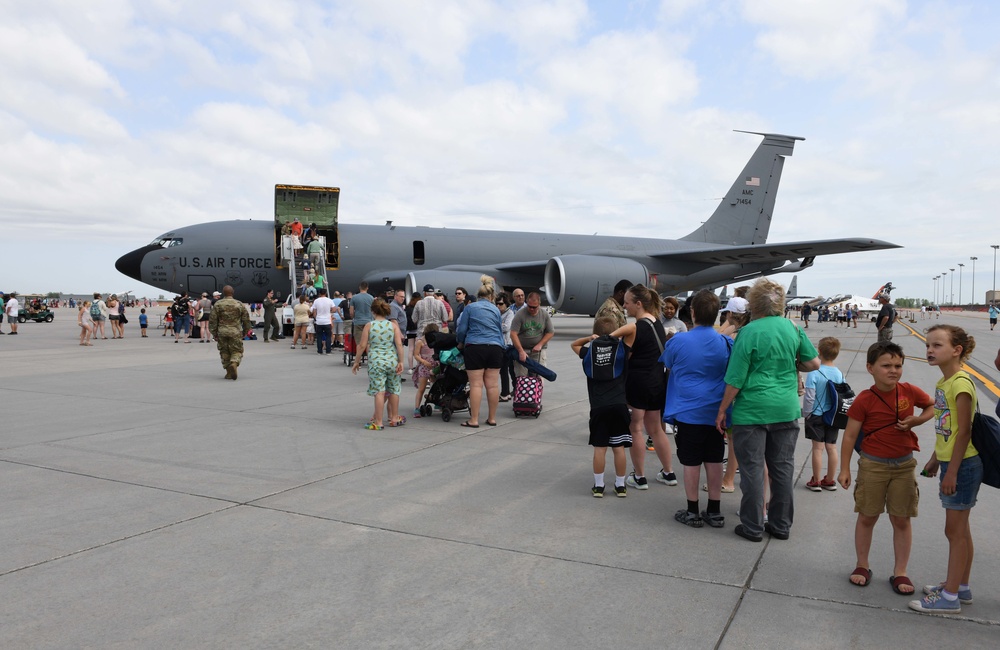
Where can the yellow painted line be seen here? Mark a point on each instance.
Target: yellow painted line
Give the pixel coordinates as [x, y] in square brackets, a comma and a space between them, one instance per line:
[986, 382]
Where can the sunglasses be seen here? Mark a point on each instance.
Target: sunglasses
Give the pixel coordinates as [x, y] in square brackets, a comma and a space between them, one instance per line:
[501, 302]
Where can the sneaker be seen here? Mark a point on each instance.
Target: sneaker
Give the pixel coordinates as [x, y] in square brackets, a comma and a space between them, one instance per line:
[621, 491]
[814, 485]
[830, 486]
[417, 414]
[936, 604]
[688, 518]
[668, 478]
[745, 534]
[713, 519]
[774, 533]
[668, 427]
[637, 483]
[964, 595]
[597, 492]
[649, 445]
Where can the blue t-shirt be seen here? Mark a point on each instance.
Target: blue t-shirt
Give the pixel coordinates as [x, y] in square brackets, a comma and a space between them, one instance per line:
[143, 320]
[816, 388]
[361, 303]
[697, 363]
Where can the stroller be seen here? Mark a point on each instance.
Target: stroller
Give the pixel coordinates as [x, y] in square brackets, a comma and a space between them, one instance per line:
[450, 390]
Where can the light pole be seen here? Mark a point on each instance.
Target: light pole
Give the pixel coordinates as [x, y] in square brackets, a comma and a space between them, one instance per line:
[951, 294]
[944, 279]
[994, 247]
[960, 267]
[973, 258]
[934, 280]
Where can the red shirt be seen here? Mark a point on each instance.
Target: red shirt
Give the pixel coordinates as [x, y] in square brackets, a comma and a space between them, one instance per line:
[297, 228]
[878, 418]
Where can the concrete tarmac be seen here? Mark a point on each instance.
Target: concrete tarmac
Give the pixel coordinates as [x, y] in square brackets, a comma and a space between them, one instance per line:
[149, 503]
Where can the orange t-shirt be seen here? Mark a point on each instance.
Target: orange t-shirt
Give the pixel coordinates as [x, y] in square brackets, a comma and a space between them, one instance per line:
[875, 410]
[297, 228]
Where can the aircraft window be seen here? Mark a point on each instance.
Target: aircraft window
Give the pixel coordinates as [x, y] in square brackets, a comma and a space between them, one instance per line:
[166, 242]
[418, 252]
[175, 242]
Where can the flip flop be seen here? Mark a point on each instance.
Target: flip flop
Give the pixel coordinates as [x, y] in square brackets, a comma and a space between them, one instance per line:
[898, 581]
[470, 426]
[371, 426]
[704, 488]
[492, 424]
[865, 573]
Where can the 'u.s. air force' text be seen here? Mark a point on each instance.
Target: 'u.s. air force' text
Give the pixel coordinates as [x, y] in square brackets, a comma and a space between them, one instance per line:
[221, 262]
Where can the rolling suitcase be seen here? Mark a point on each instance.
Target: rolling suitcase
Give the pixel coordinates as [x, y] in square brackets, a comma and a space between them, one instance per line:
[527, 396]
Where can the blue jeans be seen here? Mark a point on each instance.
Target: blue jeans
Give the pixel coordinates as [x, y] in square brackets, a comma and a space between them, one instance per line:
[773, 445]
[323, 335]
[970, 477]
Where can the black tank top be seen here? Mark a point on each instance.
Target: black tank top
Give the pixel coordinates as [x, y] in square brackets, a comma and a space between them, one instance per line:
[645, 348]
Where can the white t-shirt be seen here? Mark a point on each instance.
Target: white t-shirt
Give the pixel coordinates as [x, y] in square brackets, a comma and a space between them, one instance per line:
[323, 307]
[12, 307]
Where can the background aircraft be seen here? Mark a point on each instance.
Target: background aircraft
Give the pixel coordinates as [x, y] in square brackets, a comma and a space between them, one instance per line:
[577, 272]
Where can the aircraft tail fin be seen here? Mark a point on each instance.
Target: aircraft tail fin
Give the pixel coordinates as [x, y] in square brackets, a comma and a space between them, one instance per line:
[744, 215]
[885, 288]
[793, 287]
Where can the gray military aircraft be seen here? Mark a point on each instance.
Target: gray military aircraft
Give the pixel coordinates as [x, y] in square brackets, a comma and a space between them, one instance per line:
[576, 272]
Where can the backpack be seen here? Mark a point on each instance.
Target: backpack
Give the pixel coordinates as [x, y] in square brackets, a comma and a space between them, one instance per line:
[986, 440]
[841, 396]
[604, 359]
[95, 310]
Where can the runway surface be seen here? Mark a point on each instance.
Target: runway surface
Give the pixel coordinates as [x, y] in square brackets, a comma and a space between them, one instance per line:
[148, 502]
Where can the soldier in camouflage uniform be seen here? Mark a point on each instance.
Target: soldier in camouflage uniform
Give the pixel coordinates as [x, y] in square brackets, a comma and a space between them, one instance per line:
[612, 307]
[228, 322]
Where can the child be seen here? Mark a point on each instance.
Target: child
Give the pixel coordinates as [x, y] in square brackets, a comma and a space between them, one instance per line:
[948, 347]
[816, 402]
[168, 323]
[609, 415]
[86, 323]
[143, 321]
[424, 356]
[383, 342]
[886, 481]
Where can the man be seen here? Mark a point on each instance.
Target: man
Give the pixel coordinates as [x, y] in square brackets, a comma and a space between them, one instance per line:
[11, 308]
[361, 307]
[518, 297]
[806, 310]
[429, 310]
[612, 307]
[322, 311]
[886, 317]
[270, 318]
[398, 312]
[181, 312]
[530, 332]
[314, 249]
[993, 315]
[296, 228]
[229, 322]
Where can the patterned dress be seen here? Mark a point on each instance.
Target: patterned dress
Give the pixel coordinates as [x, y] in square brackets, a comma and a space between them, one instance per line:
[382, 359]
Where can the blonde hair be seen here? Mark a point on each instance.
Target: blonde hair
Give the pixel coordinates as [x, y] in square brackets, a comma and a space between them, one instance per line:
[766, 298]
[486, 289]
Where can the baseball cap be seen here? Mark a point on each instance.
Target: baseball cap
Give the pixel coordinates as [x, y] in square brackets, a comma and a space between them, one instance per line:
[736, 305]
[429, 288]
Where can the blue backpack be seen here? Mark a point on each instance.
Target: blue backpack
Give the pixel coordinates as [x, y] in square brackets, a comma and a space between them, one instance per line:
[840, 396]
[604, 359]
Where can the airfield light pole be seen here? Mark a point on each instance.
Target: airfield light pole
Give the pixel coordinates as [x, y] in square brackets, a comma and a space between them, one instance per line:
[960, 267]
[951, 294]
[935, 278]
[944, 279]
[973, 258]
[994, 247]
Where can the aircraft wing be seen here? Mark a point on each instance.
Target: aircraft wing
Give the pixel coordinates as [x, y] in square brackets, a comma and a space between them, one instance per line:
[787, 251]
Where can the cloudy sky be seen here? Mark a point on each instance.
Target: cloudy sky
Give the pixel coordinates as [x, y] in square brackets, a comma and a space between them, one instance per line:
[120, 120]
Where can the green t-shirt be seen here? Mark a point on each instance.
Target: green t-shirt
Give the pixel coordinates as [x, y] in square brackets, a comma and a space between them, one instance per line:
[762, 366]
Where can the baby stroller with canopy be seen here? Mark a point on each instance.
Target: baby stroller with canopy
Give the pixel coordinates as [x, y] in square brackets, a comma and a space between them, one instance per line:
[450, 390]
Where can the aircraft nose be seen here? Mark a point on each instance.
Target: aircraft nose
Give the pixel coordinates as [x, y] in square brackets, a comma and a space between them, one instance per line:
[130, 264]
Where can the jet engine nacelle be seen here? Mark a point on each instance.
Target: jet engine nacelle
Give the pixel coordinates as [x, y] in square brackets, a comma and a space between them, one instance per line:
[444, 280]
[579, 284]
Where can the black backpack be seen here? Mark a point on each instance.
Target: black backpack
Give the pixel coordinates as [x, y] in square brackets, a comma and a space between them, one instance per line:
[986, 440]
[841, 397]
[604, 359]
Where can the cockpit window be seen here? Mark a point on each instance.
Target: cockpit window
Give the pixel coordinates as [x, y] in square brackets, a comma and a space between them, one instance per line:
[167, 242]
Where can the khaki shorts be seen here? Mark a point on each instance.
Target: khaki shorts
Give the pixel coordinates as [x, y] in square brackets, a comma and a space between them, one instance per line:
[882, 487]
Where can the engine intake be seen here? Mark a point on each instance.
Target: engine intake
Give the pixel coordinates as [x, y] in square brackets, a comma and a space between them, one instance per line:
[579, 284]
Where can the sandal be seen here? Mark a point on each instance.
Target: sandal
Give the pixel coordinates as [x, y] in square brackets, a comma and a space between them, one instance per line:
[864, 573]
[900, 581]
[505, 398]
[399, 422]
[725, 490]
[371, 426]
[471, 426]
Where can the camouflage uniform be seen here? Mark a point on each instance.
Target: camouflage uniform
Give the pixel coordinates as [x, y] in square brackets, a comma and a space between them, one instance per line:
[228, 322]
[611, 309]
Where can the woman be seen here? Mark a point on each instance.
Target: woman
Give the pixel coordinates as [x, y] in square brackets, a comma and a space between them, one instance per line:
[480, 332]
[507, 369]
[113, 316]
[736, 318]
[645, 383]
[383, 342]
[669, 317]
[85, 322]
[301, 322]
[762, 387]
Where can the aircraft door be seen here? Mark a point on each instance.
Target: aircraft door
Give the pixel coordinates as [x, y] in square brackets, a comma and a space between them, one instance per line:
[199, 284]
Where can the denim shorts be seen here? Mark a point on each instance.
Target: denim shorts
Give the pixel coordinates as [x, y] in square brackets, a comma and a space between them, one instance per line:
[970, 477]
